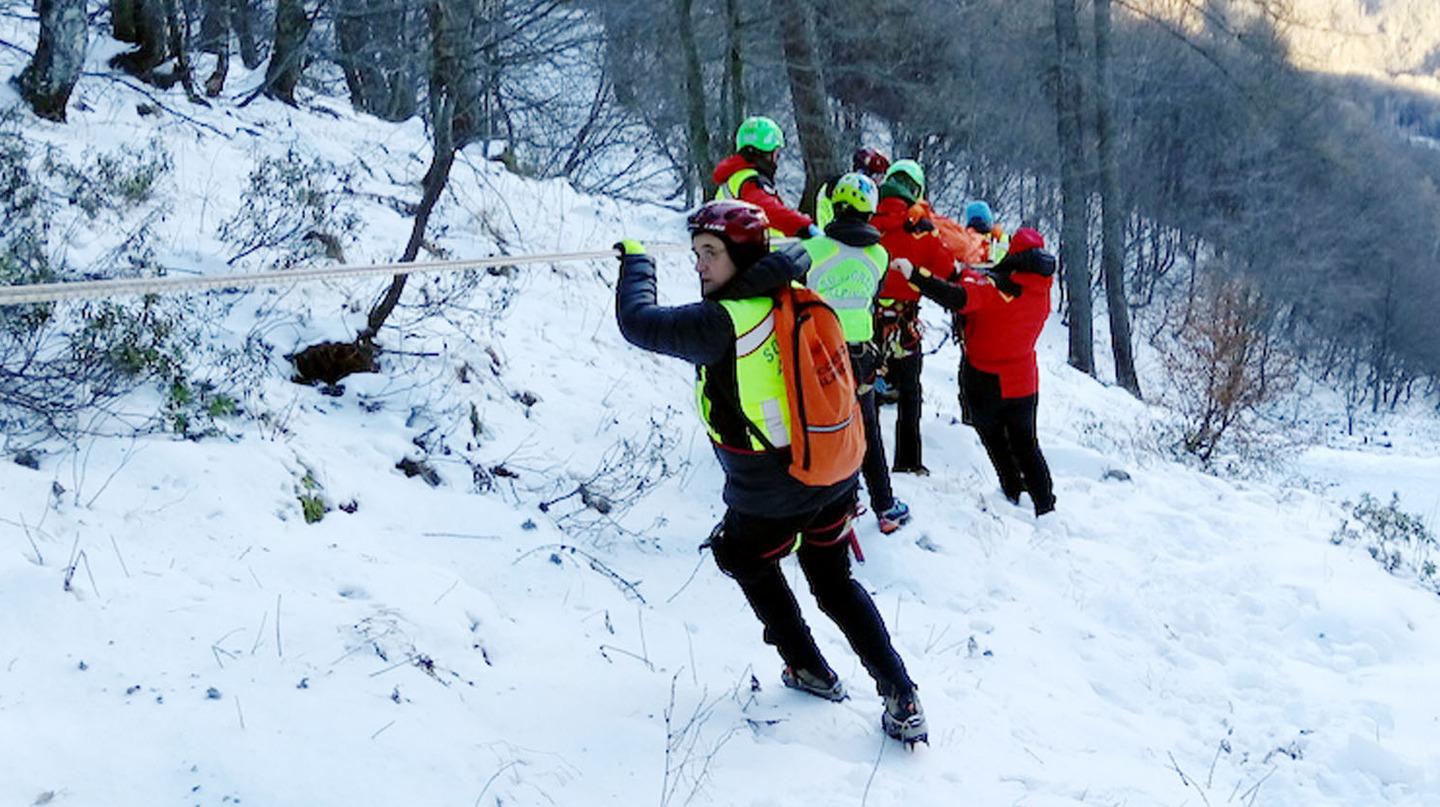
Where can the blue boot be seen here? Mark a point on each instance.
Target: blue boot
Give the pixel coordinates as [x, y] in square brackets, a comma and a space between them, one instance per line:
[893, 519]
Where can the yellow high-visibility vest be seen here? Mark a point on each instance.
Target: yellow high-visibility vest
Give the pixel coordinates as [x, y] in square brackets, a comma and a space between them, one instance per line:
[759, 378]
[730, 189]
[847, 278]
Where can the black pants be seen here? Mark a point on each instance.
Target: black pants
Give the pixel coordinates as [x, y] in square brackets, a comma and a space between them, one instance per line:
[903, 374]
[874, 468]
[966, 416]
[958, 330]
[749, 549]
[1007, 429]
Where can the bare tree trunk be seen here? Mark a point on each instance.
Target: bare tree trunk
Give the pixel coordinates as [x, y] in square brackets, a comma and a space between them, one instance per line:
[122, 20]
[696, 129]
[242, 19]
[215, 40]
[1074, 234]
[1380, 361]
[287, 60]
[807, 92]
[1112, 212]
[734, 66]
[214, 27]
[47, 80]
[179, 25]
[145, 24]
[452, 86]
[432, 186]
[377, 56]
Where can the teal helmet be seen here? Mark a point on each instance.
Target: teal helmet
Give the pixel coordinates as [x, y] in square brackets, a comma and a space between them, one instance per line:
[856, 191]
[759, 133]
[907, 173]
[978, 216]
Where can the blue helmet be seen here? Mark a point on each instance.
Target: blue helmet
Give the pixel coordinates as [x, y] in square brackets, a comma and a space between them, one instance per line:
[979, 217]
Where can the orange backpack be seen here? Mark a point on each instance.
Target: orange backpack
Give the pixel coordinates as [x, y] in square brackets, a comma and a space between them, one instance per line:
[827, 435]
[965, 245]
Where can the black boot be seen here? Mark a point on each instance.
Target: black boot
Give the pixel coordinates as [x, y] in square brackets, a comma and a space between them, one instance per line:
[903, 718]
[825, 684]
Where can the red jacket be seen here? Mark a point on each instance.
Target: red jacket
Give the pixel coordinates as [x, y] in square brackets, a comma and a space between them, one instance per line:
[760, 190]
[1001, 328]
[923, 249]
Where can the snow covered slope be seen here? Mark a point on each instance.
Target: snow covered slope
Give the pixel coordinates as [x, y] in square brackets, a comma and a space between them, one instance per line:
[172, 631]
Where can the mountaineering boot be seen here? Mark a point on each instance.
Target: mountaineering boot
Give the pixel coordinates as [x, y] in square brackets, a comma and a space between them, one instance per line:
[916, 469]
[893, 519]
[1012, 490]
[826, 685]
[903, 718]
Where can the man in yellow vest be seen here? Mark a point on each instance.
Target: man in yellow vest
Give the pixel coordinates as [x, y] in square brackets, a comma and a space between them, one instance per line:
[846, 267]
[741, 394]
[866, 160]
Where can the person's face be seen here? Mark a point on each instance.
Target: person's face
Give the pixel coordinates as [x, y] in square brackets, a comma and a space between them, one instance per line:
[908, 182]
[765, 162]
[712, 262]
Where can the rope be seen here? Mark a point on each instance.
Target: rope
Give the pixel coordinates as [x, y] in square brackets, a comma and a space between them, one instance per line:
[121, 286]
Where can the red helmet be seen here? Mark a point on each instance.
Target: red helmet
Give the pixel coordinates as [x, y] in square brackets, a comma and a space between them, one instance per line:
[870, 161]
[738, 224]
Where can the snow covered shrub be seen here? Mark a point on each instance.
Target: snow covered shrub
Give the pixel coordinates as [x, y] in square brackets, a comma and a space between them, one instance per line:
[19, 195]
[110, 181]
[312, 501]
[1228, 372]
[1397, 540]
[63, 366]
[294, 205]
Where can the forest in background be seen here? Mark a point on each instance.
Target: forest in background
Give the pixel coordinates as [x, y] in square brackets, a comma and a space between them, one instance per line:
[1200, 184]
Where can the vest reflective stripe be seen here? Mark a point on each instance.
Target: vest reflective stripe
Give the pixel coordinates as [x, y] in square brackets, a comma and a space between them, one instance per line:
[759, 379]
[730, 189]
[751, 341]
[847, 277]
[997, 247]
[824, 208]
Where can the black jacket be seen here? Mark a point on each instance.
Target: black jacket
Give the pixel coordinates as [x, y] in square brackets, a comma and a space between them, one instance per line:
[702, 333]
[852, 231]
[952, 294]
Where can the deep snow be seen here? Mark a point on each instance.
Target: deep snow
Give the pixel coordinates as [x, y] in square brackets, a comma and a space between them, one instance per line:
[1171, 639]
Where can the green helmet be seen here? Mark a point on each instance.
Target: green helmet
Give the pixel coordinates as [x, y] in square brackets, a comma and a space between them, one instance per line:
[911, 170]
[761, 134]
[856, 191]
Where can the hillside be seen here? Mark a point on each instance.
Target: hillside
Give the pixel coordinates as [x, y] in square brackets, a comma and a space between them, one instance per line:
[1396, 39]
[175, 632]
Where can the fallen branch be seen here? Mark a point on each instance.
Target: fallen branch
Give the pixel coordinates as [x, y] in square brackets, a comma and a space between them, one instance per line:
[596, 564]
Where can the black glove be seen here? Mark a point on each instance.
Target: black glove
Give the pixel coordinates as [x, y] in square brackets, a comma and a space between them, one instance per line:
[1006, 284]
[921, 225]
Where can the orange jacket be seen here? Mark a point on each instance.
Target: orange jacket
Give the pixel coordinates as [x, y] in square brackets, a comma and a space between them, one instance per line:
[902, 239]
